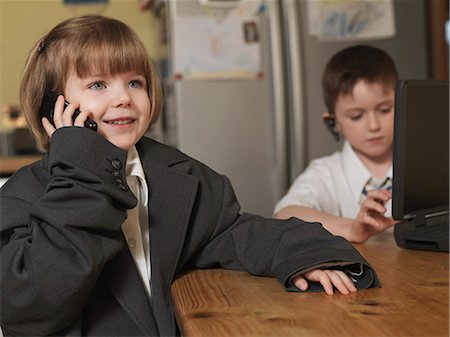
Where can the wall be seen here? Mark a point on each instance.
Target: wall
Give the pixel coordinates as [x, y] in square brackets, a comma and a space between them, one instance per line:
[23, 22]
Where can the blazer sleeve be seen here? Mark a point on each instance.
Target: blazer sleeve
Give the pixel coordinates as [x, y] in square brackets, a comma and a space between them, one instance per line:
[60, 223]
[278, 248]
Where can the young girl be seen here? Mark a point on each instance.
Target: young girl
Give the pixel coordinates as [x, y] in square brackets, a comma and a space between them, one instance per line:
[93, 235]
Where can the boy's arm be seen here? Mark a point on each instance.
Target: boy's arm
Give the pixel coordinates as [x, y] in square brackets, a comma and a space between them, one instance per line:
[334, 224]
[369, 221]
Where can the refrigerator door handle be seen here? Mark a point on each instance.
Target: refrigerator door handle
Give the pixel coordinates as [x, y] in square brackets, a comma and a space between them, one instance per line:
[296, 111]
[279, 175]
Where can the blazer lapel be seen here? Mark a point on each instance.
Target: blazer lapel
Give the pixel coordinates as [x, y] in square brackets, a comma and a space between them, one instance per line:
[171, 198]
[121, 277]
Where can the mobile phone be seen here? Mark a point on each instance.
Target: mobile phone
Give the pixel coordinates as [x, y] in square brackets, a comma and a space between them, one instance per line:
[48, 106]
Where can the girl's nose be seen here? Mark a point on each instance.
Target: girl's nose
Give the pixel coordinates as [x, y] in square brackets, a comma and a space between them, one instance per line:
[122, 98]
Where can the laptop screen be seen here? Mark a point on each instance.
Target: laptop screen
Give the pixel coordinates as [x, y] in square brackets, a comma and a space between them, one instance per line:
[421, 148]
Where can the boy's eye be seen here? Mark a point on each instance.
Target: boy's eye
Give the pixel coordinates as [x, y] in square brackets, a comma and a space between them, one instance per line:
[355, 117]
[97, 85]
[385, 109]
[136, 84]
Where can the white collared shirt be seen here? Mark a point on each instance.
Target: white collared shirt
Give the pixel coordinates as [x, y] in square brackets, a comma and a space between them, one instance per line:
[137, 233]
[331, 184]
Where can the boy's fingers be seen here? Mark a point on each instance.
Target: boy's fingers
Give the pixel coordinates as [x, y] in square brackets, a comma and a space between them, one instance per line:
[372, 205]
[368, 219]
[380, 195]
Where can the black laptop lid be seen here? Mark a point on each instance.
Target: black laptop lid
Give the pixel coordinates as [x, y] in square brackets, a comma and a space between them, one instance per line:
[421, 148]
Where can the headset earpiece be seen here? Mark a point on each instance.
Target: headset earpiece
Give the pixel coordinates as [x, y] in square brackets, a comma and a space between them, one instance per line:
[330, 123]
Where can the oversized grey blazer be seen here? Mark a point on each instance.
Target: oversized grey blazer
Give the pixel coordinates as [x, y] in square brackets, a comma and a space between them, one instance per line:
[66, 269]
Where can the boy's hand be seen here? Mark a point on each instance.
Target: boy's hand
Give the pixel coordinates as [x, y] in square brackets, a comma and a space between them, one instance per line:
[370, 219]
[328, 279]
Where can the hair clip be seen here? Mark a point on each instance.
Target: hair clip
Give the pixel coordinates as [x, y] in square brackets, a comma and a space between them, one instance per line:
[41, 46]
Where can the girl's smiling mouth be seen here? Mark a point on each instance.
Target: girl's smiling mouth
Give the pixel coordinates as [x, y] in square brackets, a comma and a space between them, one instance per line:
[120, 121]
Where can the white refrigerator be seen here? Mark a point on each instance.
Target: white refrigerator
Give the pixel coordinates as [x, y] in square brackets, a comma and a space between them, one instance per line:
[261, 131]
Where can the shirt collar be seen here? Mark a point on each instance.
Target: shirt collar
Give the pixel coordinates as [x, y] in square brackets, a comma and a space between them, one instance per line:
[355, 171]
[134, 168]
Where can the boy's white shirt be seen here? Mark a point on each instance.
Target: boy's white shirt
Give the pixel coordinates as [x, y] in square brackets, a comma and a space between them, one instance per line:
[137, 233]
[332, 184]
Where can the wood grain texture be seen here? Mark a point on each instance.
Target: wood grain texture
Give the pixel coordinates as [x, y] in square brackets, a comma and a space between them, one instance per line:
[413, 300]
[9, 165]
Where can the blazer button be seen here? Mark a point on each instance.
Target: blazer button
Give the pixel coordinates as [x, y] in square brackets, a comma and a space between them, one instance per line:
[116, 164]
[116, 174]
[122, 187]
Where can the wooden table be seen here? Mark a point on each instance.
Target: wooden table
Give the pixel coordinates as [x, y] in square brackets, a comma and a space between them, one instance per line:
[10, 164]
[413, 300]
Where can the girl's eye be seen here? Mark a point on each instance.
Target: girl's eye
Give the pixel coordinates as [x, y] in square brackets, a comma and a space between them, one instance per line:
[136, 84]
[97, 85]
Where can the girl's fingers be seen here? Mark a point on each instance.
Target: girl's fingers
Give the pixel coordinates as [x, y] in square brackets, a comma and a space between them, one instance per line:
[301, 283]
[341, 281]
[58, 112]
[328, 279]
[48, 127]
[320, 276]
[81, 118]
[64, 116]
[326, 282]
[68, 114]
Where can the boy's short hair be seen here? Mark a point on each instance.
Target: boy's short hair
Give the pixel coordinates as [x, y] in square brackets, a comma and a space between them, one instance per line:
[352, 64]
[90, 45]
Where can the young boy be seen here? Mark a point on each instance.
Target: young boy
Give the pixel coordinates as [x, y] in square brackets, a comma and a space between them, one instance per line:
[94, 234]
[349, 191]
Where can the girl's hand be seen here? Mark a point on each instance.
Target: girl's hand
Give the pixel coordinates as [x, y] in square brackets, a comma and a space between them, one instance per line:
[328, 279]
[63, 117]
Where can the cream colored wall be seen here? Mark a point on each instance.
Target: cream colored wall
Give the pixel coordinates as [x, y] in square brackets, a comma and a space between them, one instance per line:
[23, 22]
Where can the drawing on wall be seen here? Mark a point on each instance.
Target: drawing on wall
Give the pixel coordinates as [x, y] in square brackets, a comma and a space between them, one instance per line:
[346, 20]
[84, 2]
[205, 47]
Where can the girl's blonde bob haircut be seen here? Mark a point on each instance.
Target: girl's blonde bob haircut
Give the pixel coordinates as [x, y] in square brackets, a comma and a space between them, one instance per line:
[88, 45]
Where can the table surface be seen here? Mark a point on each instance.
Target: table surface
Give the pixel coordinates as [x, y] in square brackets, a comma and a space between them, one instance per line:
[10, 164]
[413, 300]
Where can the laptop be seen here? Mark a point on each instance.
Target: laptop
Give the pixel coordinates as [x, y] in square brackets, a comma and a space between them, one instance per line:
[420, 184]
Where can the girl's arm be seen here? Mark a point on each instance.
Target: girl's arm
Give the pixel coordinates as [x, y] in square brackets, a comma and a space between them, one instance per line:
[60, 224]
